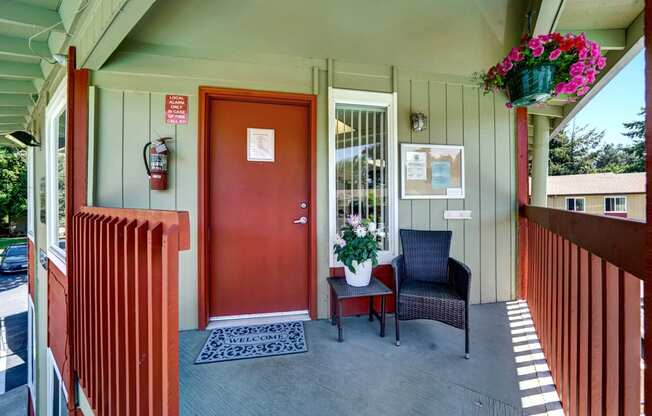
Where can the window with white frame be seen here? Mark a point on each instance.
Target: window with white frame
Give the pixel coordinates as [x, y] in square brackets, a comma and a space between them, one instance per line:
[56, 173]
[362, 163]
[30, 193]
[31, 349]
[576, 204]
[615, 204]
[57, 397]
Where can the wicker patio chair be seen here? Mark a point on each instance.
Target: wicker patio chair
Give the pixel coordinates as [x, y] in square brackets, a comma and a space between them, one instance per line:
[429, 283]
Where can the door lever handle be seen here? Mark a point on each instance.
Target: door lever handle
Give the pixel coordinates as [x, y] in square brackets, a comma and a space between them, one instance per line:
[302, 220]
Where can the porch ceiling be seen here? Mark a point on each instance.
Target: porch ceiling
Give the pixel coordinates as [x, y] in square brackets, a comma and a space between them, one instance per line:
[449, 36]
[21, 69]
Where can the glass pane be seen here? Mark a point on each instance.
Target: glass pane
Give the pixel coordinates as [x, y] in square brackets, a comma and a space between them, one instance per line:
[620, 204]
[570, 204]
[361, 175]
[61, 181]
[55, 391]
[63, 405]
[579, 205]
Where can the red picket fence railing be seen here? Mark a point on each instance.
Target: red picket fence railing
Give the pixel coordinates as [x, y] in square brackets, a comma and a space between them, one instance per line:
[584, 292]
[126, 308]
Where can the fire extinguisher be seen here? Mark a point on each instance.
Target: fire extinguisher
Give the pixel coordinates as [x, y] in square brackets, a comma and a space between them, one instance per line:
[157, 167]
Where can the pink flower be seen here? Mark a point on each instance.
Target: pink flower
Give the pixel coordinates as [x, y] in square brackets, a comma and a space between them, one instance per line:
[535, 43]
[601, 63]
[509, 105]
[595, 49]
[584, 53]
[590, 76]
[515, 55]
[577, 68]
[554, 54]
[560, 88]
[571, 87]
[507, 64]
[536, 52]
[579, 80]
[582, 91]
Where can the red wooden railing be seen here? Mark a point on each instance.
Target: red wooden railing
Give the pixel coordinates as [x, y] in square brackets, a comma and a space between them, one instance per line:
[584, 292]
[126, 308]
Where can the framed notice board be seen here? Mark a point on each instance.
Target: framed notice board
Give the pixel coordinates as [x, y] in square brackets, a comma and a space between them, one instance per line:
[432, 171]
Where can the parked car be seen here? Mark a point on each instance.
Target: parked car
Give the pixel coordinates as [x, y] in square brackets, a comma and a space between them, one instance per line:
[14, 259]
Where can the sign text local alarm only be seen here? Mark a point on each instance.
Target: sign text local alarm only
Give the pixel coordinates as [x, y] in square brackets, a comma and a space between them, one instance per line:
[176, 109]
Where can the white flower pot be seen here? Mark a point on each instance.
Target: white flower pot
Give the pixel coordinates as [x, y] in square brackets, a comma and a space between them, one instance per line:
[362, 274]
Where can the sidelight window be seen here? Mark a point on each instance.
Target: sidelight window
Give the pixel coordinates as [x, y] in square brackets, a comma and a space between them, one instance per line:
[362, 161]
[56, 175]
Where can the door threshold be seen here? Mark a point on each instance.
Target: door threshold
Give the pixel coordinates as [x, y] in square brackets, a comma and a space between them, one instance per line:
[257, 319]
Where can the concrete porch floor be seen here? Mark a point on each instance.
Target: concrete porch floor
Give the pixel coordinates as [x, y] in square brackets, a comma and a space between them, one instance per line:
[369, 375]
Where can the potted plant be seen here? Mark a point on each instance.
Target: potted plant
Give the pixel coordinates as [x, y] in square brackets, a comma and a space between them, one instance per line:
[357, 248]
[545, 66]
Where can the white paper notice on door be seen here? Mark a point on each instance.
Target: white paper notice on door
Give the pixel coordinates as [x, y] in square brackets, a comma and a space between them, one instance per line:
[260, 145]
[415, 166]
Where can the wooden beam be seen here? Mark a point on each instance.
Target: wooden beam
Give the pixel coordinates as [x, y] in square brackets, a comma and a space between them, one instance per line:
[8, 128]
[10, 86]
[609, 39]
[18, 47]
[31, 17]
[125, 14]
[11, 120]
[15, 100]
[19, 70]
[13, 111]
[547, 16]
[546, 110]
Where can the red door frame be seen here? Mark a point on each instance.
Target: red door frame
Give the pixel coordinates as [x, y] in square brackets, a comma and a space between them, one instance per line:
[203, 185]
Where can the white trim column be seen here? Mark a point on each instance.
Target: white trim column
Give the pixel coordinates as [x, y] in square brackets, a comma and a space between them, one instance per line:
[540, 157]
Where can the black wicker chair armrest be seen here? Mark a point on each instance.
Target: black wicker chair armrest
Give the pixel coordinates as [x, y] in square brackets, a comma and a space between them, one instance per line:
[460, 277]
[399, 272]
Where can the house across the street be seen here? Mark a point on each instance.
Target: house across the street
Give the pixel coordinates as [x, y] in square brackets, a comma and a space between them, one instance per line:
[614, 194]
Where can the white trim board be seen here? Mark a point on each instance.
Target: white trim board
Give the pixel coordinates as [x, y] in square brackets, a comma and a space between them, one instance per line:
[257, 319]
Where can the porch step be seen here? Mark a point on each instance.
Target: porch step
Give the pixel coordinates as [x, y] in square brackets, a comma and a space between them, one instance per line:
[257, 319]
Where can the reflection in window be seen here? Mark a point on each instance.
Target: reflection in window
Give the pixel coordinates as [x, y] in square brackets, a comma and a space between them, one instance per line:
[615, 204]
[361, 166]
[575, 204]
[61, 180]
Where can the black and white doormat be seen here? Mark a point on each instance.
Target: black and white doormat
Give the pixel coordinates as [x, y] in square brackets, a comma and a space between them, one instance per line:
[251, 341]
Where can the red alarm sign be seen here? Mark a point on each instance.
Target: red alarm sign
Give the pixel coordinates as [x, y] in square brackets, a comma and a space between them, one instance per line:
[176, 109]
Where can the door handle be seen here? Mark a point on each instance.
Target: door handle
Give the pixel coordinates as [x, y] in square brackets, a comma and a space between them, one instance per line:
[302, 220]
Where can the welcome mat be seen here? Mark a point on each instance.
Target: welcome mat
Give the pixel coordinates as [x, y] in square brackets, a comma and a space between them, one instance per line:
[251, 341]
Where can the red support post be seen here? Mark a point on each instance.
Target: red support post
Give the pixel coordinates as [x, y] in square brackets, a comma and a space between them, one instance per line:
[523, 192]
[647, 297]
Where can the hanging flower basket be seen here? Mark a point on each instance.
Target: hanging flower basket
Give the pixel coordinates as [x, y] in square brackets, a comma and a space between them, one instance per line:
[531, 85]
[546, 66]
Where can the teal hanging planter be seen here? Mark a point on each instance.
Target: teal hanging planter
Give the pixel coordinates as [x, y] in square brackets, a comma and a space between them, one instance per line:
[531, 85]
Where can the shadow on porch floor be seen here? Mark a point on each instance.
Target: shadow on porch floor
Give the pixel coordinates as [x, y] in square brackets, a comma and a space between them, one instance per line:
[369, 375]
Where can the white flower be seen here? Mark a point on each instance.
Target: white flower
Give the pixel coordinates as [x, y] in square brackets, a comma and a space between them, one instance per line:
[372, 227]
[354, 220]
[360, 231]
[381, 234]
[340, 241]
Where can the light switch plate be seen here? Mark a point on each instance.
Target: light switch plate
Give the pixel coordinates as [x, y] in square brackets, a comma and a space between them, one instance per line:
[457, 215]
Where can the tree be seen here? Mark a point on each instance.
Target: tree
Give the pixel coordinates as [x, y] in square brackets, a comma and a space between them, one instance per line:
[574, 151]
[635, 130]
[13, 186]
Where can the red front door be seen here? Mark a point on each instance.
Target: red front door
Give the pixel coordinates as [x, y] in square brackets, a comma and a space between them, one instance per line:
[258, 256]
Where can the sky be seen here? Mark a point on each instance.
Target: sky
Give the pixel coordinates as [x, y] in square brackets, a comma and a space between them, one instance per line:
[619, 101]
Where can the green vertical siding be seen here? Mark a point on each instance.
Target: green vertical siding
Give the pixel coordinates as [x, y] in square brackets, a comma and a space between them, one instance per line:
[461, 115]
[128, 113]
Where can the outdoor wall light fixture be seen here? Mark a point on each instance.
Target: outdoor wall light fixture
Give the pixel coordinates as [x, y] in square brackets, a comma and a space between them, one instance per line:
[23, 139]
[419, 121]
